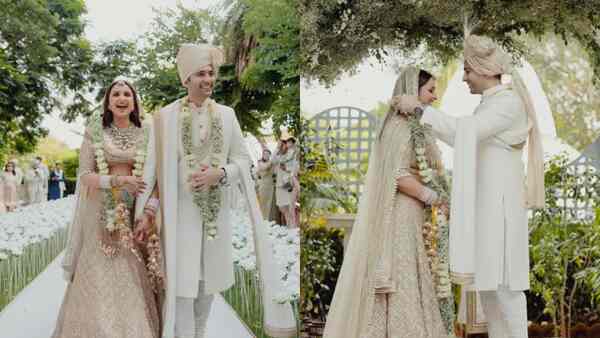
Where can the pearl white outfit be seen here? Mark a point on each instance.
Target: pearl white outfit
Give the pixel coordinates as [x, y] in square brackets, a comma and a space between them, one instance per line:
[191, 311]
[499, 238]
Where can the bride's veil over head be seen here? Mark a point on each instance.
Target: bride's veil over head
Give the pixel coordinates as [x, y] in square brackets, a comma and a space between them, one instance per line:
[406, 84]
[363, 272]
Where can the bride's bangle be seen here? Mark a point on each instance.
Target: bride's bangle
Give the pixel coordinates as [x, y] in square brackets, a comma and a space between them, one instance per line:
[428, 196]
[105, 181]
[152, 203]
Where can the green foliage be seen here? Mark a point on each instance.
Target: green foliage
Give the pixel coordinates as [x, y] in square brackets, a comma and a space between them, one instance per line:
[566, 73]
[70, 165]
[321, 256]
[111, 59]
[156, 71]
[259, 79]
[43, 55]
[262, 38]
[52, 151]
[322, 189]
[564, 246]
[337, 35]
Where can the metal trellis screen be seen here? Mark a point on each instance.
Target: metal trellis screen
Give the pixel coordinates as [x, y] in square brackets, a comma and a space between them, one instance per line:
[347, 133]
[587, 167]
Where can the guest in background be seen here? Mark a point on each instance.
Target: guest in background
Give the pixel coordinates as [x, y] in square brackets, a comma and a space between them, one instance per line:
[61, 183]
[286, 164]
[21, 190]
[11, 182]
[266, 186]
[56, 178]
[46, 174]
[2, 205]
[34, 183]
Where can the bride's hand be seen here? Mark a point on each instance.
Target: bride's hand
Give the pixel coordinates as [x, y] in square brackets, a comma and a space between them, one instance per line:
[143, 228]
[133, 184]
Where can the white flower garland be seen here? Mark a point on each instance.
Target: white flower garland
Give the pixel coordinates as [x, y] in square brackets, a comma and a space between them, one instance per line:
[207, 200]
[115, 213]
[435, 229]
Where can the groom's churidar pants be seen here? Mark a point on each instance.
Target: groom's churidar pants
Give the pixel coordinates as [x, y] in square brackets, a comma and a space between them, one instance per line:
[506, 313]
[191, 314]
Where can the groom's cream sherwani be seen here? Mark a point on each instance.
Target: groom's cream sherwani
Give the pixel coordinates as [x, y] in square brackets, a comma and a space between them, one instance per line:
[497, 248]
[217, 263]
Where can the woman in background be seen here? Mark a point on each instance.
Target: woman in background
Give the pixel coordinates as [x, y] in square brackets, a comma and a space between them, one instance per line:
[11, 181]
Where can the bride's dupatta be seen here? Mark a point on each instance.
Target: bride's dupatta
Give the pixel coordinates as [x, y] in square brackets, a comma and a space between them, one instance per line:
[367, 267]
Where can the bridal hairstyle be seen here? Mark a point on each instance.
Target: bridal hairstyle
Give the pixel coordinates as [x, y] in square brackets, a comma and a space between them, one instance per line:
[107, 115]
[424, 77]
[409, 82]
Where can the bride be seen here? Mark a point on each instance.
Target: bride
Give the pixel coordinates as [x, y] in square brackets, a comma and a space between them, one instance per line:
[394, 278]
[111, 260]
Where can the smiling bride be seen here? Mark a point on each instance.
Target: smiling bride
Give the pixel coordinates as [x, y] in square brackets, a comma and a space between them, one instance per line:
[113, 285]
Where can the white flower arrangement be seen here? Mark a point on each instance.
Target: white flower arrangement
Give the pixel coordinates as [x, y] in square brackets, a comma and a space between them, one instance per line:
[32, 224]
[286, 247]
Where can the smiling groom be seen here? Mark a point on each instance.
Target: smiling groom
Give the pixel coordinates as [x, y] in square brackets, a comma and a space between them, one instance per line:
[201, 156]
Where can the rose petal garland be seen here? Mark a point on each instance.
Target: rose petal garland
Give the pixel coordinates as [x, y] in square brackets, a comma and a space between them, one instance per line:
[207, 200]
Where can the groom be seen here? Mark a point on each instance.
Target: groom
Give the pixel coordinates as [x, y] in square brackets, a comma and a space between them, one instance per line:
[488, 229]
[200, 151]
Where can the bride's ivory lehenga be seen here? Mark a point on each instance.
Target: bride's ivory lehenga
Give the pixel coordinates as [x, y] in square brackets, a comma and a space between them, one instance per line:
[108, 297]
[385, 288]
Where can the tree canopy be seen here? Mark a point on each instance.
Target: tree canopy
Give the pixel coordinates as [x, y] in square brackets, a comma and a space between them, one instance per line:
[260, 77]
[336, 35]
[43, 56]
[47, 64]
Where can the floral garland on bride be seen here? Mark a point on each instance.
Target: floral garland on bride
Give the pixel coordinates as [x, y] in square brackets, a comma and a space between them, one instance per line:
[115, 214]
[207, 200]
[435, 229]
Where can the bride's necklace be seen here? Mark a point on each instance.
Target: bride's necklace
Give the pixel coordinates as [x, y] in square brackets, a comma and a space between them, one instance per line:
[123, 138]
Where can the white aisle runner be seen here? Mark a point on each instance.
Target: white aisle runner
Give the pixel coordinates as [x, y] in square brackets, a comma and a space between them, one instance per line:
[33, 313]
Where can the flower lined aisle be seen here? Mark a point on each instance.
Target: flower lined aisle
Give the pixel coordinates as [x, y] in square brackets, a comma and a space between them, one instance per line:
[245, 295]
[30, 238]
[33, 236]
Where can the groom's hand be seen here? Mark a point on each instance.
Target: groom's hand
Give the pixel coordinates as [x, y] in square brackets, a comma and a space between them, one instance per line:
[205, 177]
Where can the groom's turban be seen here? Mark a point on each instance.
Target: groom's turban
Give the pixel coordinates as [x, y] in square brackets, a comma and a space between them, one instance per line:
[485, 57]
[192, 57]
